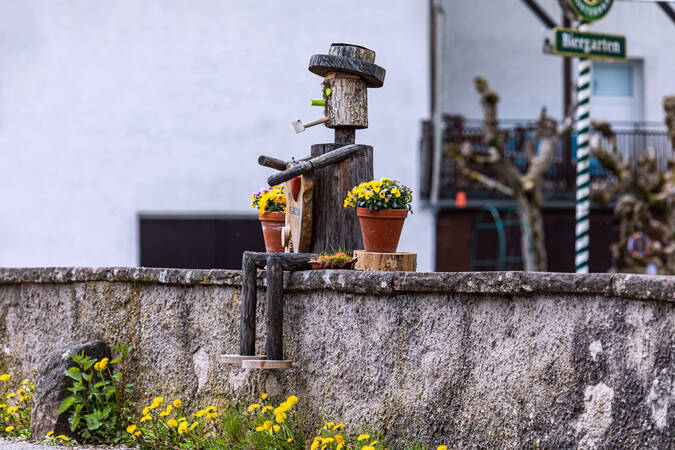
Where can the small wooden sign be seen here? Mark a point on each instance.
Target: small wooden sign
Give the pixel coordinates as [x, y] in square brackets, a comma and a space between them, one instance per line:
[296, 235]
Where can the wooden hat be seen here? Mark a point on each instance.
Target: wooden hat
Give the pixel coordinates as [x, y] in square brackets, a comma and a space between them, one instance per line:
[352, 59]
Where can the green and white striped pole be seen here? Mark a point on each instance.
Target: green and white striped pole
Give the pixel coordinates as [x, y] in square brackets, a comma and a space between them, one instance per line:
[583, 204]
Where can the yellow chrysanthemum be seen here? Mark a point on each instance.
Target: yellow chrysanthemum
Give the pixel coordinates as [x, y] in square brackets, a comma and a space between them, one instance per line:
[9, 428]
[263, 396]
[146, 418]
[50, 433]
[182, 428]
[194, 425]
[131, 429]
[173, 423]
[363, 437]
[442, 447]
[4, 377]
[63, 437]
[265, 409]
[177, 403]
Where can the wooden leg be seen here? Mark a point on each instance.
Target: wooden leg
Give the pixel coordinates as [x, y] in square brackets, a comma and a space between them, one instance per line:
[248, 306]
[275, 309]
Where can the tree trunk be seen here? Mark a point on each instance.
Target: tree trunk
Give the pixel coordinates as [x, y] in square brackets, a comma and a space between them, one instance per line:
[532, 239]
[333, 225]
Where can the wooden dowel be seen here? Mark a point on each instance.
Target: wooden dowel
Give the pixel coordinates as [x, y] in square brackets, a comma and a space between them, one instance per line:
[248, 305]
[275, 309]
[274, 163]
[344, 136]
[319, 162]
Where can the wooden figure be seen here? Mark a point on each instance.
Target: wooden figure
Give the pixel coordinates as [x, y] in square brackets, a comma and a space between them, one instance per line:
[335, 168]
[315, 187]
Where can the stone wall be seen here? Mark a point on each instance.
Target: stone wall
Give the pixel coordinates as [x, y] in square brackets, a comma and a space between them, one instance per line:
[491, 360]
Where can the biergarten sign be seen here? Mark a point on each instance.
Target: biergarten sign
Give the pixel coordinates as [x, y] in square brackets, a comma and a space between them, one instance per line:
[570, 42]
[591, 10]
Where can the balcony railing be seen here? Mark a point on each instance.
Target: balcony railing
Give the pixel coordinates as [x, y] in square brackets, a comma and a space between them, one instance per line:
[559, 180]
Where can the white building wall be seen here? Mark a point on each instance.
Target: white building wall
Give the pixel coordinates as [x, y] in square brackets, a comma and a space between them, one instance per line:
[111, 108]
[502, 41]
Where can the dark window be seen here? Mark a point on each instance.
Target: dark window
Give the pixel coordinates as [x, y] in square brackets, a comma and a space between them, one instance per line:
[198, 242]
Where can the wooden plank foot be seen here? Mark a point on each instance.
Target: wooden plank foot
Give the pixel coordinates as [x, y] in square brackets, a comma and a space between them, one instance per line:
[237, 359]
[266, 364]
[389, 262]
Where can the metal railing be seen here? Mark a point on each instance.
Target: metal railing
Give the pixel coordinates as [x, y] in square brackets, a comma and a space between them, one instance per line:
[559, 180]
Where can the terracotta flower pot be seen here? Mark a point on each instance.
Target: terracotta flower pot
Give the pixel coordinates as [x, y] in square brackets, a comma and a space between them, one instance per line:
[381, 229]
[272, 223]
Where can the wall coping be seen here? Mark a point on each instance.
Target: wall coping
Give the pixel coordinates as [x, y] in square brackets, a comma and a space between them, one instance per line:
[641, 287]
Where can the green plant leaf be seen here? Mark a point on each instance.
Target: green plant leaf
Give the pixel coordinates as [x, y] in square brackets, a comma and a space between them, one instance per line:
[92, 422]
[74, 373]
[66, 403]
[129, 388]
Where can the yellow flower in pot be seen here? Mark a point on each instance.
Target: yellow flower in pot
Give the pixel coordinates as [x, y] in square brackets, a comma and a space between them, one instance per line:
[271, 206]
[382, 206]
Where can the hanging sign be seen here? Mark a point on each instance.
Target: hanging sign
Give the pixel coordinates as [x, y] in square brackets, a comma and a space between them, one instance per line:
[591, 10]
[570, 42]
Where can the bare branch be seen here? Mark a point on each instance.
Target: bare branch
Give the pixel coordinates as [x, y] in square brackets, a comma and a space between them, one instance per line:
[484, 179]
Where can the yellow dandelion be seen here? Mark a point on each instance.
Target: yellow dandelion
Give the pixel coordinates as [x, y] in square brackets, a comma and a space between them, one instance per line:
[63, 437]
[101, 365]
[182, 428]
[9, 428]
[442, 447]
[146, 418]
[173, 423]
[4, 377]
[363, 437]
[194, 425]
[131, 428]
[177, 403]
[50, 433]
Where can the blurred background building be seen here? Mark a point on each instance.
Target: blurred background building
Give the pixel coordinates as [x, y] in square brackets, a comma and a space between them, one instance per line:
[503, 41]
[129, 131]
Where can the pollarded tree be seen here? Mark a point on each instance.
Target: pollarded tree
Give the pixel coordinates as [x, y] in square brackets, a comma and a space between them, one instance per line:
[642, 194]
[523, 187]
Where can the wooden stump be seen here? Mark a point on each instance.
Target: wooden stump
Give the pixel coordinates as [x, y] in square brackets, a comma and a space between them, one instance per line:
[335, 226]
[389, 262]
